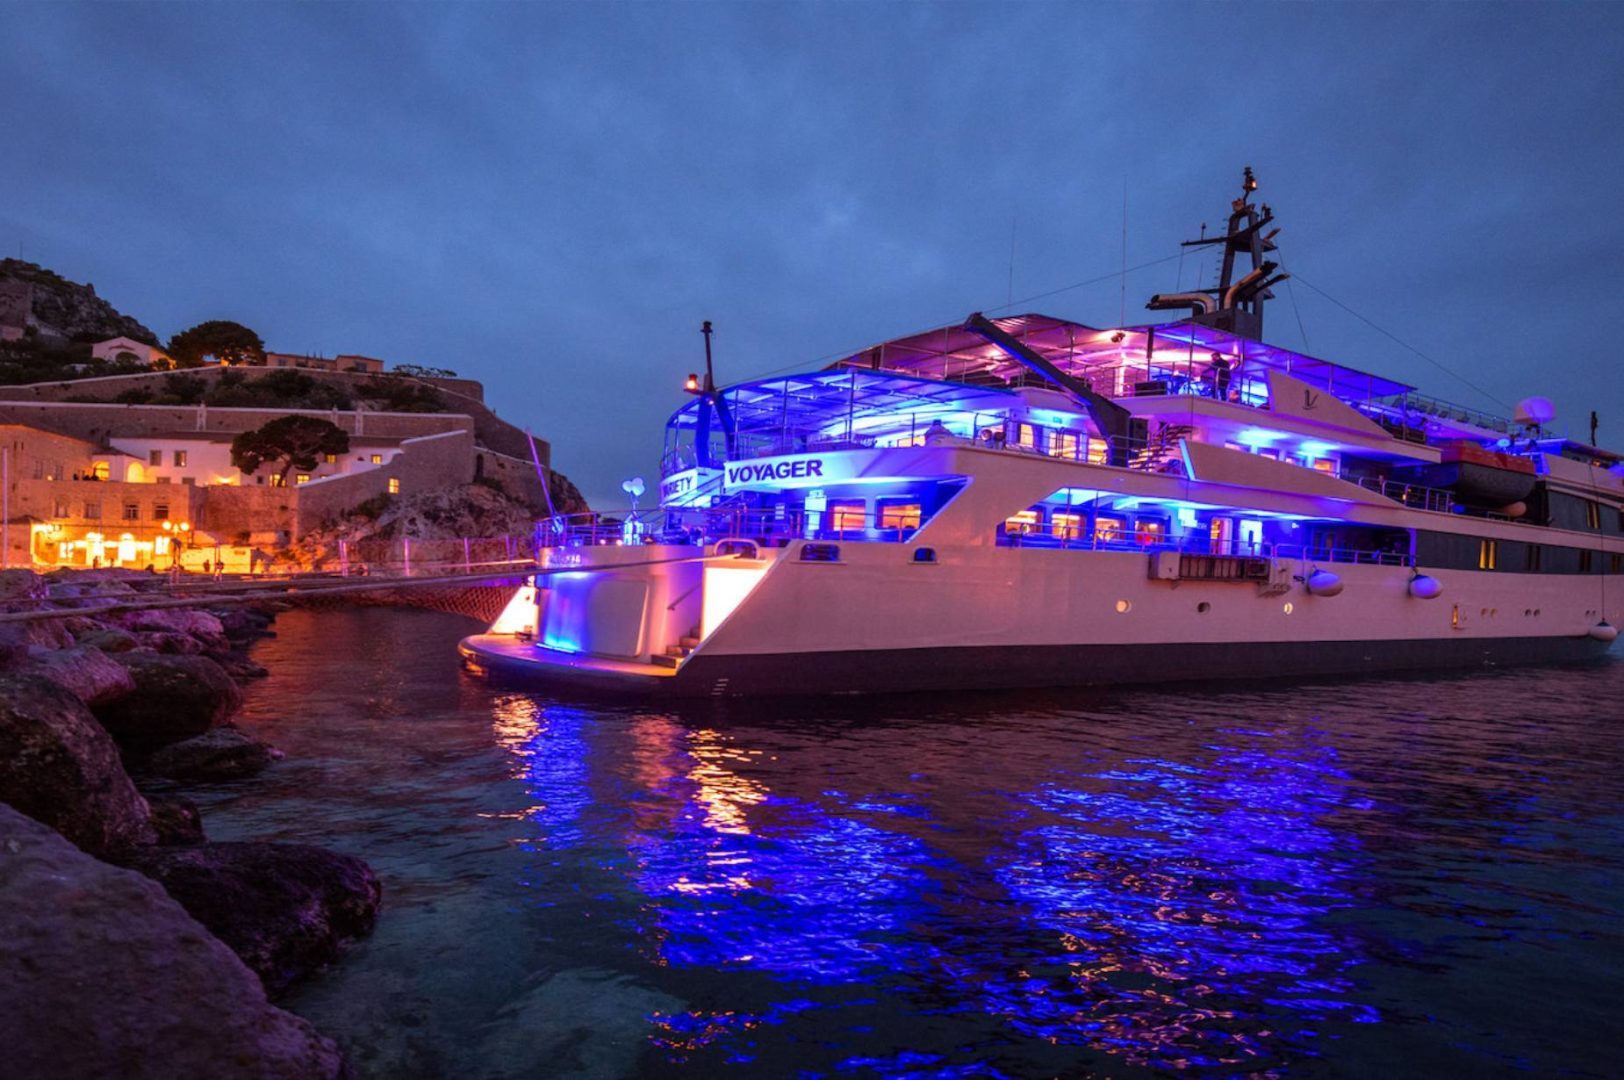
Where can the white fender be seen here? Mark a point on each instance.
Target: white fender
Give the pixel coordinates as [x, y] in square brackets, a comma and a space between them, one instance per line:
[1424, 587]
[1604, 631]
[1324, 583]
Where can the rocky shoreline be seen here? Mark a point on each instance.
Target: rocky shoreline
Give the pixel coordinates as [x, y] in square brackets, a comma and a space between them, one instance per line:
[135, 945]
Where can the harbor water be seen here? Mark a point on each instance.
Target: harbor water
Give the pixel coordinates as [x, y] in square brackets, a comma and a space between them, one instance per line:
[1420, 877]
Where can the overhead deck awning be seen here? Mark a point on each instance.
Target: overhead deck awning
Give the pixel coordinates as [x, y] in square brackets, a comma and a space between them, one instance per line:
[808, 400]
[955, 354]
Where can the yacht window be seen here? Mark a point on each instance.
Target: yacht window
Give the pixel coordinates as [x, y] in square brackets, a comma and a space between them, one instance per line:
[1022, 523]
[1264, 451]
[1067, 526]
[1592, 514]
[1487, 554]
[1064, 444]
[848, 515]
[1150, 531]
[1325, 465]
[1107, 529]
[1026, 436]
[1097, 452]
[1585, 560]
[899, 516]
[1534, 556]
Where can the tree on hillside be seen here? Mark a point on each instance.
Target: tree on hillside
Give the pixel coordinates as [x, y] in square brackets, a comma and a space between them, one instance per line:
[297, 442]
[225, 341]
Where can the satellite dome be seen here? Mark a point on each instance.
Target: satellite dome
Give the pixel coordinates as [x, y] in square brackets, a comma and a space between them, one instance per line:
[1534, 411]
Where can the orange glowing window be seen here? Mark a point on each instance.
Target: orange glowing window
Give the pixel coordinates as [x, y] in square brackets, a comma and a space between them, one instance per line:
[1149, 531]
[1022, 523]
[1107, 529]
[1097, 452]
[1063, 444]
[1026, 436]
[850, 516]
[1067, 526]
[1325, 465]
[899, 516]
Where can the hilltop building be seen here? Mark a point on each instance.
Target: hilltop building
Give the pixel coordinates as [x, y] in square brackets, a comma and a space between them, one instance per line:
[128, 350]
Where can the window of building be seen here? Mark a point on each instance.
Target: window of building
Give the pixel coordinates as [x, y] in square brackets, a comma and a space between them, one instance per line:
[844, 516]
[1535, 557]
[331, 459]
[1064, 444]
[1026, 436]
[377, 459]
[1108, 529]
[302, 478]
[60, 508]
[188, 481]
[180, 459]
[155, 457]
[160, 511]
[1022, 523]
[277, 480]
[57, 471]
[394, 486]
[899, 516]
[132, 511]
[93, 510]
[160, 479]
[1067, 526]
[1488, 553]
[39, 469]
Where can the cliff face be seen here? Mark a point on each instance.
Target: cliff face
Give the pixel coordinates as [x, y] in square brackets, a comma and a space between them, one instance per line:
[32, 296]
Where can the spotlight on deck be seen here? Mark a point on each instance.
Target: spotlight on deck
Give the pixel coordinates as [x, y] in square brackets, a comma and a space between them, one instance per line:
[1117, 337]
[691, 384]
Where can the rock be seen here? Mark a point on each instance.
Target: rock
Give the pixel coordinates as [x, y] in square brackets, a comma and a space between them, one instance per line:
[58, 766]
[83, 671]
[225, 753]
[285, 909]
[176, 819]
[174, 621]
[109, 639]
[175, 698]
[17, 638]
[240, 667]
[20, 585]
[103, 974]
[170, 644]
[242, 624]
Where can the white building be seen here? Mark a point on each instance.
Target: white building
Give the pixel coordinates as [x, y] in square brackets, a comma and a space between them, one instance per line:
[129, 350]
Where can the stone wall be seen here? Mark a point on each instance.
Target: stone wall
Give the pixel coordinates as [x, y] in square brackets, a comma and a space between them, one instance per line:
[95, 423]
[425, 464]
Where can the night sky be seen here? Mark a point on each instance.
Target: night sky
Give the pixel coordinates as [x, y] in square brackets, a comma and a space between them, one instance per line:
[551, 198]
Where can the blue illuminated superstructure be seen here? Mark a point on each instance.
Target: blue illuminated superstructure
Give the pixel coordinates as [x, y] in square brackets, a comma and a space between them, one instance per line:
[1028, 500]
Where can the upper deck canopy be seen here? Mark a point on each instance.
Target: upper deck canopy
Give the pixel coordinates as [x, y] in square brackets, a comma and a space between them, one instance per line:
[958, 355]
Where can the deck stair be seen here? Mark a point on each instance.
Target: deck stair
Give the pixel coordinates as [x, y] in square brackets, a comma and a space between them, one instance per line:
[674, 655]
[1163, 450]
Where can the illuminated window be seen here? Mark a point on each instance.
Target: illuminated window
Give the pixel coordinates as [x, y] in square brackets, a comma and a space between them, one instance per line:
[1026, 436]
[1067, 526]
[849, 515]
[1022, 523]
[899, 515]
[302, 478]
[1149, 531]
[331, 459]
[160, 545]
[1325, 465]
[277, 480]
[180, 459]
[132, 511]
[1097, 452]
[155, 457]
[1592, 514]
[1064, 444]
[1107, 529]
[377, 459]
[394, 485]
[1488, 552]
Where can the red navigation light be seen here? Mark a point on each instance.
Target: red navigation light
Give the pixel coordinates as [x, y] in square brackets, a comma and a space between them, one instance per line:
[691, 384]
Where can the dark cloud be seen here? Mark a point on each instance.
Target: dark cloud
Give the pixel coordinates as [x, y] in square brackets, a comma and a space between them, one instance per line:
[551, 198]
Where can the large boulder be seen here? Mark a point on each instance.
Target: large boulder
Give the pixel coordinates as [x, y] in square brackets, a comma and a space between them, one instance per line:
[285, 909]
[225, 753]
[175, 698]
[60, 767]
[103, 974]
[176, 819]
[85, 672]
[109, 639]
[16, 638]
[174, 621]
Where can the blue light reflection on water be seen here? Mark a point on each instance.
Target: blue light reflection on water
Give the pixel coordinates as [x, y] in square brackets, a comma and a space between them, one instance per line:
[1405, 877]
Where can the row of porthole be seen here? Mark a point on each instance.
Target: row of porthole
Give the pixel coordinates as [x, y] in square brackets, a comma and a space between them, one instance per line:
[1125, 606]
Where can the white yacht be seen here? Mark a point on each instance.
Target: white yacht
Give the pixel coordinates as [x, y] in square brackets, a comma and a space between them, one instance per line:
[1029, 501]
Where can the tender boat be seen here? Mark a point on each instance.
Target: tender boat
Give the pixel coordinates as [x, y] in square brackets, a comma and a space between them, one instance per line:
[1028, 501]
